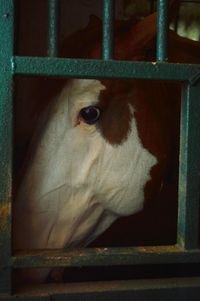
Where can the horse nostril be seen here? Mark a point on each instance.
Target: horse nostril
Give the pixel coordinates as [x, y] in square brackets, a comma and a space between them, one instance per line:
[90, 114]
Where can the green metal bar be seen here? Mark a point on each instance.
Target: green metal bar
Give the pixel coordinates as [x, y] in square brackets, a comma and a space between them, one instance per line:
[103, 69]
[189, 168]
[108, 23]
[28, 297]
[151, 4]
[6, 115]
[105, 257]
[53, 28]
[168, 289]
[162, 30]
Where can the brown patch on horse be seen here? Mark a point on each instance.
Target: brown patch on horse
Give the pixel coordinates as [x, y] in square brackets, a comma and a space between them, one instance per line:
[114, 123]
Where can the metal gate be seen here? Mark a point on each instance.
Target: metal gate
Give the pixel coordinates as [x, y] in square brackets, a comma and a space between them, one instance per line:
[186, 250]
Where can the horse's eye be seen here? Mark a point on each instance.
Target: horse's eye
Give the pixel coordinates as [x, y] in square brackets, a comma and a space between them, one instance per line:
[90, 114]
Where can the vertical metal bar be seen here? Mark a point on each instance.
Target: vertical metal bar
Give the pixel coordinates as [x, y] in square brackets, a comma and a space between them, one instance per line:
[189, 168]
[162, 30]
[108, 23]
[151, 6]
[6, 116]
[53, 28]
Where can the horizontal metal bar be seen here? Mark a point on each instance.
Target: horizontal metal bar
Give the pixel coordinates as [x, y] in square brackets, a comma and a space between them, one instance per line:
[105, 257]
[191, 1]
[108, 23]
[103, 69]
[172, 289]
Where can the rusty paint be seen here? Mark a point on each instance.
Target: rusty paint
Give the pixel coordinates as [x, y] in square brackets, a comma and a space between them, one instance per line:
[101, 257]
[5, 211]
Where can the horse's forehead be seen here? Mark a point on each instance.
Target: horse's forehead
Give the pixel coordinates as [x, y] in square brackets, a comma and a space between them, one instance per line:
[79, 86]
